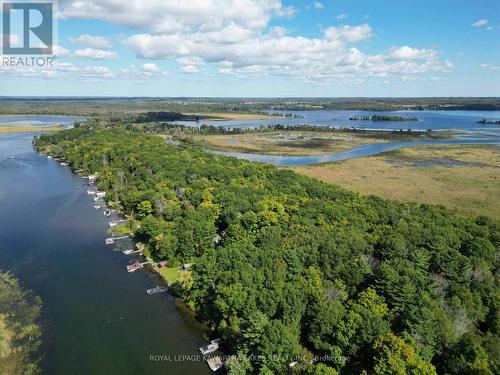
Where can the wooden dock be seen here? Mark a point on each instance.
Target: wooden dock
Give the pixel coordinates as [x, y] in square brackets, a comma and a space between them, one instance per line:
[132, 251]
[116, 222]
[215, 363]
[111, 240]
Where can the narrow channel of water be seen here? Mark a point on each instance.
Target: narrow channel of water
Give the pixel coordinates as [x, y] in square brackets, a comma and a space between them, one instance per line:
[97, 317]
[361, 151]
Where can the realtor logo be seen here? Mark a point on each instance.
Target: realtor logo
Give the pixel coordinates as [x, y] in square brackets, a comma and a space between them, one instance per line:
[34, 22]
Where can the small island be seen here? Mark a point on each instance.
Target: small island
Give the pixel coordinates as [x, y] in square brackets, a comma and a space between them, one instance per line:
[382, 118]
[485, 121]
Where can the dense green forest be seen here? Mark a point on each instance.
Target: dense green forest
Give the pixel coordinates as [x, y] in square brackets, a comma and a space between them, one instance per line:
[19, 328]
[288, 269]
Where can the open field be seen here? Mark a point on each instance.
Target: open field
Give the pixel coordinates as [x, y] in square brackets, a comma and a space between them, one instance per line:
[171, 274]
[463, 178]
[302, 142]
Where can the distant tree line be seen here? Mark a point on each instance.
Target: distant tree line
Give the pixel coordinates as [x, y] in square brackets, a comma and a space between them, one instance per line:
[486, 121]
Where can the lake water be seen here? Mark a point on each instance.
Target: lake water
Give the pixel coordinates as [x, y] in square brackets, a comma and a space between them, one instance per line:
[37, 121]
[97, 317]
[464, 122]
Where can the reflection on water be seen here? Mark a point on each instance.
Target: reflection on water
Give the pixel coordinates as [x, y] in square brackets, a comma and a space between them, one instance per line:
[97, 317]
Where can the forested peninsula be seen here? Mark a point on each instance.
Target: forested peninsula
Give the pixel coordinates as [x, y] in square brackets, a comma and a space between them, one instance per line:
[288, 270]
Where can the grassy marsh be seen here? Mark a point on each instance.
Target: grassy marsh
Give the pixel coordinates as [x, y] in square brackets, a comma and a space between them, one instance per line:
[463, 178]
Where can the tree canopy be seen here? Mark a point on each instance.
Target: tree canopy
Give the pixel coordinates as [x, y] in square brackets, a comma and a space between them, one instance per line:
[289, 269]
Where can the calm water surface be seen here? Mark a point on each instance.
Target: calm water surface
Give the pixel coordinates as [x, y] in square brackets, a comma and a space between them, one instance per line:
[463, 122]
[97, 318]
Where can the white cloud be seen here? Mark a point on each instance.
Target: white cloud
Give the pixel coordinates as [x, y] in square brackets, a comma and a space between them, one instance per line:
[480, 22]
[190, 69]
[218, 34]
[150, 69]
[95, 54]
[342, 16]
[349, 34]
[59, 71]
[162, 16]
[490, 67]
[93, 41]
[408, 53]
[318, 5]
[60, 51]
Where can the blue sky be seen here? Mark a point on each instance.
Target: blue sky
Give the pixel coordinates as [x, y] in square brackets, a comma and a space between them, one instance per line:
[269, 48]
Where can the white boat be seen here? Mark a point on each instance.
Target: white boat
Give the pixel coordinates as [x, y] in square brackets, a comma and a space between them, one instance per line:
[156, 290]
[90, 192]
[96, 199]
[109, 241]
[210, 348]
[96, 207]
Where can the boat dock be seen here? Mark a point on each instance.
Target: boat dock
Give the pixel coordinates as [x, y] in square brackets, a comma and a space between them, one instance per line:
[215, 363]
[135, 266]
[116, 222]
[111, 240]
[156, 290]
[132, 251]
[210, 348]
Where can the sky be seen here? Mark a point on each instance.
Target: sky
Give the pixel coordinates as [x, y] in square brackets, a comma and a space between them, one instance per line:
[267, 48]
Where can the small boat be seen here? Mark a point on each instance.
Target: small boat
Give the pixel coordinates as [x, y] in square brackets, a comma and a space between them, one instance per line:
[134, 267]
[49, 157]
[106, 213]
[96, 207]
[64, 164]
[129, 251]
[90, 192]
[109, 241]
[210, 348]
[96, 199]
[156, 290]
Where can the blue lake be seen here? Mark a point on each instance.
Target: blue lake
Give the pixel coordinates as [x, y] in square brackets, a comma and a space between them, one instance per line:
[97, 318]
[465, 123]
